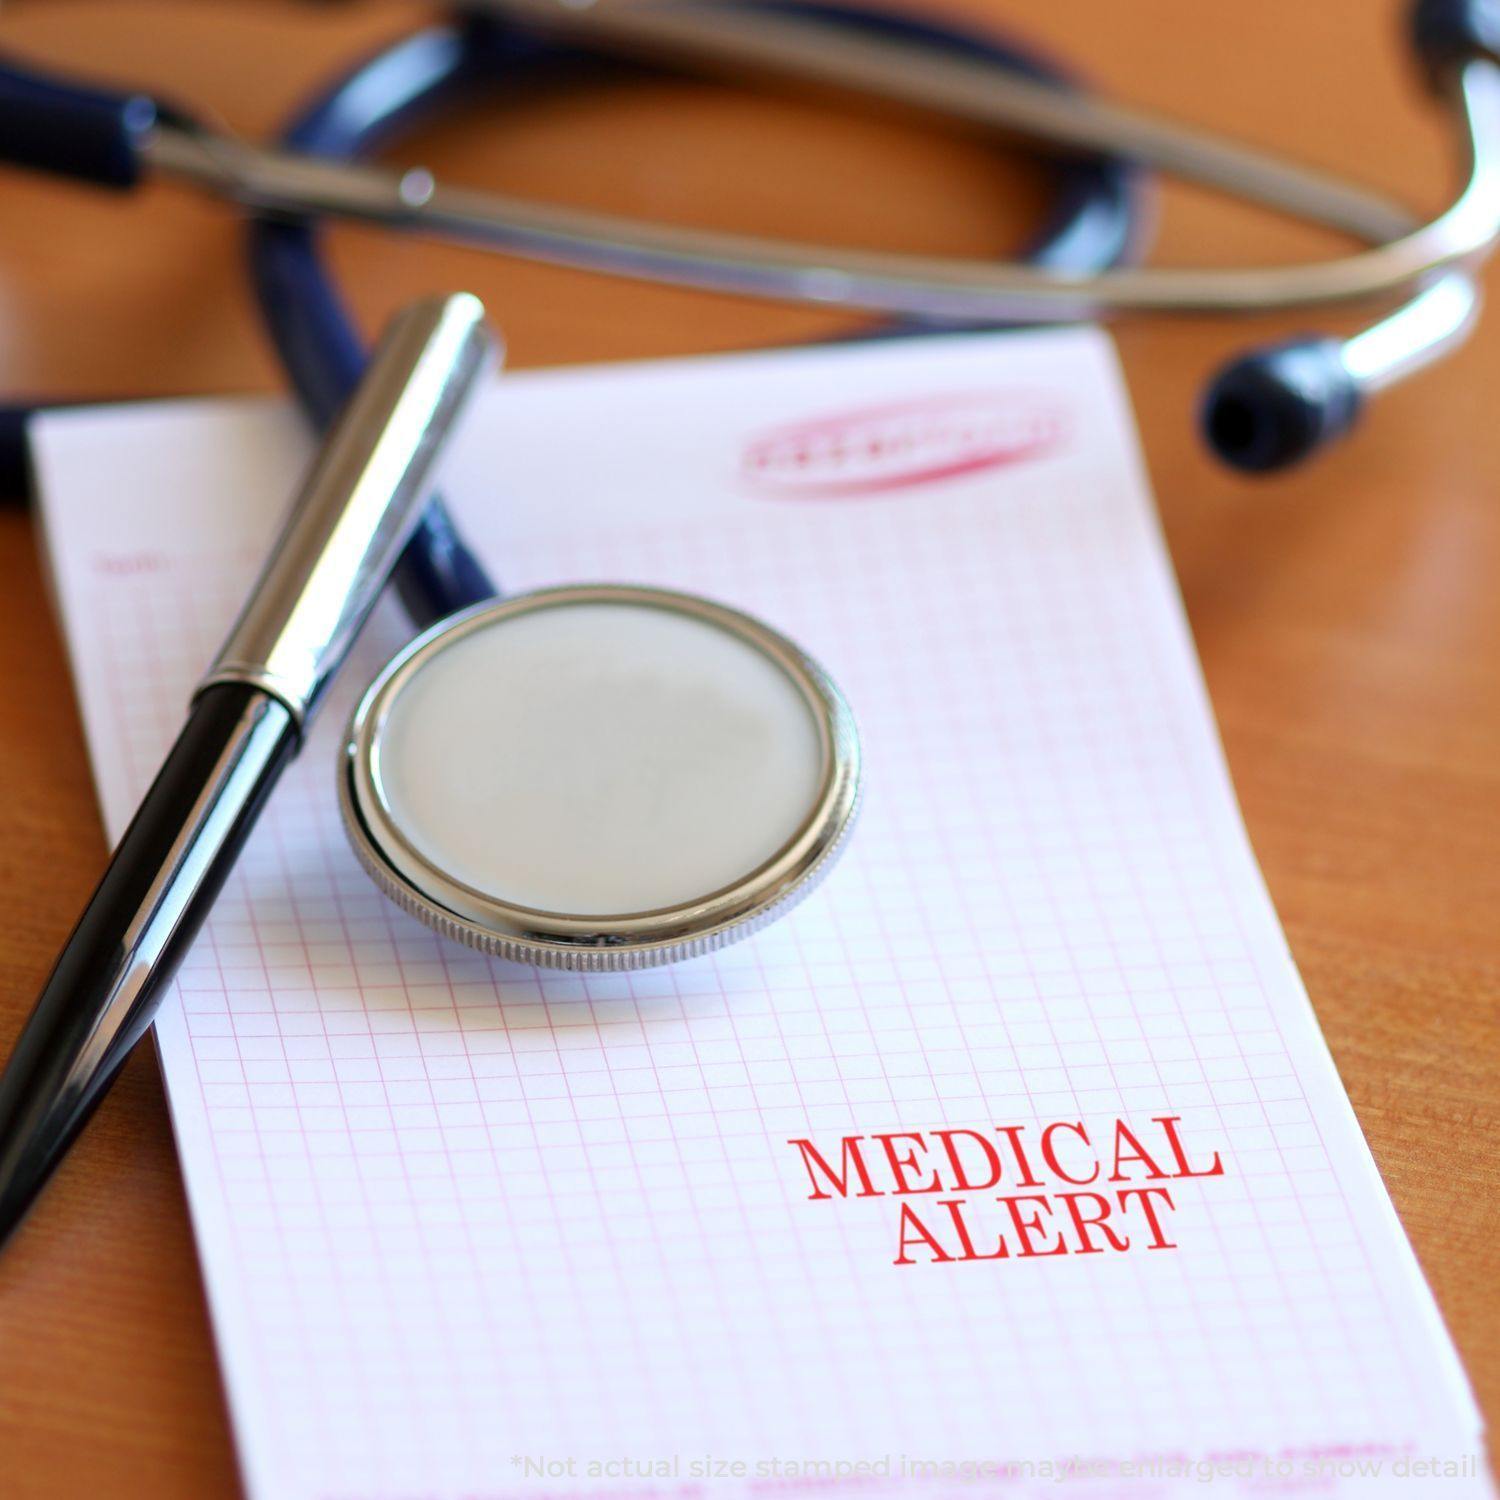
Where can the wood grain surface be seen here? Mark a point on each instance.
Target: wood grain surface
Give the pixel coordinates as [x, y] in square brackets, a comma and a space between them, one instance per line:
[1348, 617]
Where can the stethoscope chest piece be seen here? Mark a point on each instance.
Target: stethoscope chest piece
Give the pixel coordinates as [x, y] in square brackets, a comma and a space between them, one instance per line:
[599, 777]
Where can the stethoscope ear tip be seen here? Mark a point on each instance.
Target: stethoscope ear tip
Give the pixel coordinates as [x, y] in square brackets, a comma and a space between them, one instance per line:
[1448, 33]
[1276, 406]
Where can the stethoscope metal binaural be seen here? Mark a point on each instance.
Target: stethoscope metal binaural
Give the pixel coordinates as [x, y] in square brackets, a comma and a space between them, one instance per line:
[562, 886]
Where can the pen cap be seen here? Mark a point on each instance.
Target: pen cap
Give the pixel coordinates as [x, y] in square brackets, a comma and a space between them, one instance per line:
[358, 504]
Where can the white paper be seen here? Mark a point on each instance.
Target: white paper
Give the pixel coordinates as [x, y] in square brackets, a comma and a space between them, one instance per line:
[471, 1230]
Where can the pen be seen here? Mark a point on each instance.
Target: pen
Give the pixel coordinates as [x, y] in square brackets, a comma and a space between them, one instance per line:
[246, 722]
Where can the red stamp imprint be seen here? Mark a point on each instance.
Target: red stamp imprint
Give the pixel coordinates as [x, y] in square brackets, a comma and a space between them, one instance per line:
[874, 450]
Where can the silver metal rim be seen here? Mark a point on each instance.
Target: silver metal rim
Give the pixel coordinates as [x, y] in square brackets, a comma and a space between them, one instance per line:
[633, 940]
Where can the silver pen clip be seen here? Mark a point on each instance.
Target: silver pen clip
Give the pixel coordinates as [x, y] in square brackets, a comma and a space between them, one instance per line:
[358, 505]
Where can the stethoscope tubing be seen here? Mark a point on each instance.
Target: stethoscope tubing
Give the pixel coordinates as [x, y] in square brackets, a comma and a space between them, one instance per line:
[318, 343]
[1404, 253]
[1318, 386]
[1270, 407]
[1090, 227]
[116, 140]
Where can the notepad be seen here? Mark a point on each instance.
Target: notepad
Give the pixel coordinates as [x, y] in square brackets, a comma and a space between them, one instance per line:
[1013, 1162]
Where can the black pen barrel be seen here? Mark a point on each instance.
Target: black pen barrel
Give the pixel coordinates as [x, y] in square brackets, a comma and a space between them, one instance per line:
[153, 898]
[342, 535]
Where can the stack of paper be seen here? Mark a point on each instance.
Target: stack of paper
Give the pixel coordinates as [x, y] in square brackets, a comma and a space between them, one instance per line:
[1012, 1160]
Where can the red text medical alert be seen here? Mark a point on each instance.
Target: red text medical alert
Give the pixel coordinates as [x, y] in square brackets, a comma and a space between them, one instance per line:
[1068, 1191]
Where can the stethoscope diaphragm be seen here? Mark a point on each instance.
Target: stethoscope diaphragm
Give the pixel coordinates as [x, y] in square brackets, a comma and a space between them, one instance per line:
[599, 777]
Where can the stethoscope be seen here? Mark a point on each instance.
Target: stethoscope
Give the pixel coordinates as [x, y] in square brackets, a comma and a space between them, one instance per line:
[555, 872]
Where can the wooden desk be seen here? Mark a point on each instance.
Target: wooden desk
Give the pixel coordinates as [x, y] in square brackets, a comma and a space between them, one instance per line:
[1348, 617]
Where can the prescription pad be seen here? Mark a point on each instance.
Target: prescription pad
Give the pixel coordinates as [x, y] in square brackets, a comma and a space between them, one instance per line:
[1012, 1162]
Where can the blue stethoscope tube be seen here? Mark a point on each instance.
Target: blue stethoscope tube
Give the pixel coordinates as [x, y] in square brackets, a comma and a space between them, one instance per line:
[1264, 411]
[1091, 225]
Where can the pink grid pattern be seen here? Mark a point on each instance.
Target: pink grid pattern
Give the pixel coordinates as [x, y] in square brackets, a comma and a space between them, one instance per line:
[455, 1210]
